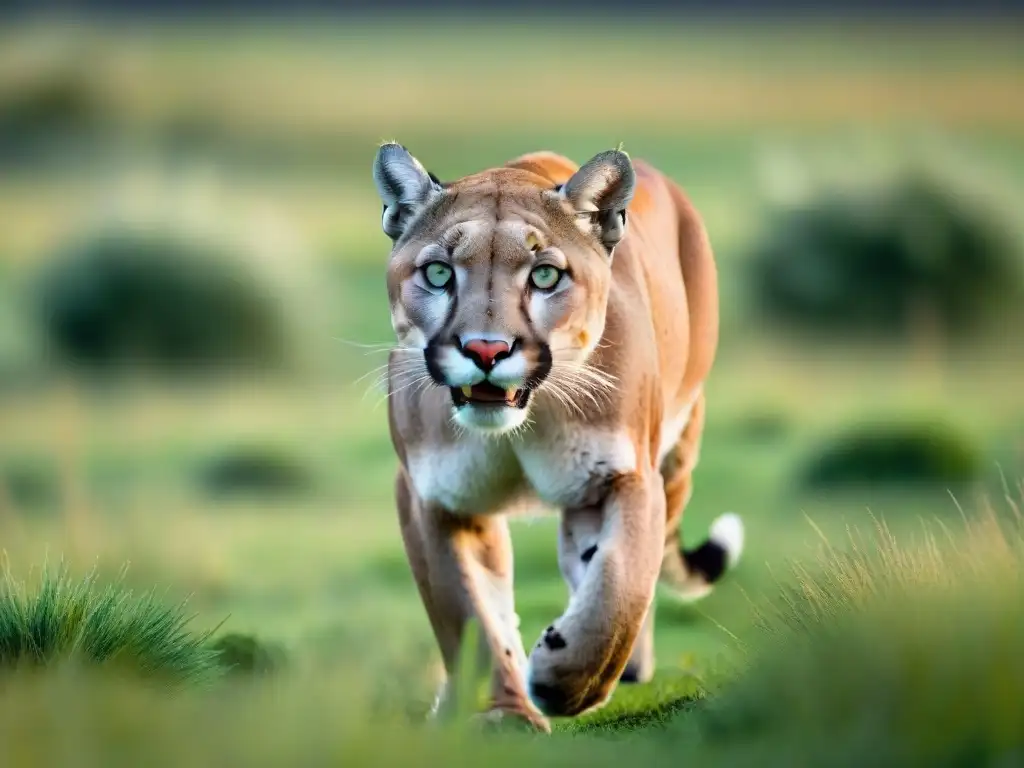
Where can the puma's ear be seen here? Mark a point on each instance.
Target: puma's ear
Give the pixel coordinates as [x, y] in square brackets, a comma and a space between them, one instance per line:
[404, 187]
[599, 192]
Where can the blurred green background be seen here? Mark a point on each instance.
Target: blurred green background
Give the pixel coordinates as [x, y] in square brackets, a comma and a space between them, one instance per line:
[193, 309]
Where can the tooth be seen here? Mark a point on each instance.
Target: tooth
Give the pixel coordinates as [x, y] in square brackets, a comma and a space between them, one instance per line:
[467, 391]
[510, 393]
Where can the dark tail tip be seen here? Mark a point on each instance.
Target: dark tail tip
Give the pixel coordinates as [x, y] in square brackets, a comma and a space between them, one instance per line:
[707, 563]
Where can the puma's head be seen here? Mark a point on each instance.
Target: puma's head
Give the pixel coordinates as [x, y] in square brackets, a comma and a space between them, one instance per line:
[500, 280]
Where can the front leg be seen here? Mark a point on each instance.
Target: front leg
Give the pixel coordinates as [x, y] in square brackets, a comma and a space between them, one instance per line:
[463, 569]
[611, 556]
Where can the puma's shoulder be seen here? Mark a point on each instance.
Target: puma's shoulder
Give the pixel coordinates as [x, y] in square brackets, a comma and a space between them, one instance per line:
[548, 165]
[650, 183]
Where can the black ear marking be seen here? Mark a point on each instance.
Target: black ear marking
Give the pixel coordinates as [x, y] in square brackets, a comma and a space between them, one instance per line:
[404, 186]
[588, 554]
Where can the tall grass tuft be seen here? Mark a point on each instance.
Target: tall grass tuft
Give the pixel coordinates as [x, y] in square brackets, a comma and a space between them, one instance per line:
[79, 621]
[885, 654]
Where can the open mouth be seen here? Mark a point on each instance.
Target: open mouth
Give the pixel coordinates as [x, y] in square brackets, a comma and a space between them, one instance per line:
[487, 394]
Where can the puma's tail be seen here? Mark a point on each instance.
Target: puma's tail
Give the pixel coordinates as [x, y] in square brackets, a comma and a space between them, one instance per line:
[689, 574]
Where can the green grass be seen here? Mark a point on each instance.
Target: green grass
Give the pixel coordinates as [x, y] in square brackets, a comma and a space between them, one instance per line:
[321, 575]
[62, 620]
[890, 654]
[893, 654]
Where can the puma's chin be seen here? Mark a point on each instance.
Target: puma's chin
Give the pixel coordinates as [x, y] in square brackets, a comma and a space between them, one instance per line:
[492, 419]
[486, 408]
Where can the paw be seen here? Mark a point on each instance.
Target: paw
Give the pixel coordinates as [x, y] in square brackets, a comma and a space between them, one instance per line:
[636, 673]
[439, 707]
[568, 698]
[516, 718]
[558, 684]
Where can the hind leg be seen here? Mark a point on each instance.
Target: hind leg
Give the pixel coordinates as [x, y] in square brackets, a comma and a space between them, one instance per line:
[689, 574]
[677, 472]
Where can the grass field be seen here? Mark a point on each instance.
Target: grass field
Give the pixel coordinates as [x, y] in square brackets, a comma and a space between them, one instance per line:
[271, 132]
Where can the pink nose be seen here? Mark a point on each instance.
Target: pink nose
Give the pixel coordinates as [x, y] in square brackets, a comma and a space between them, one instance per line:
[485, 351]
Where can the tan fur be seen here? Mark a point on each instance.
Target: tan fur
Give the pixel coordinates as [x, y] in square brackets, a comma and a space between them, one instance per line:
[610, 439]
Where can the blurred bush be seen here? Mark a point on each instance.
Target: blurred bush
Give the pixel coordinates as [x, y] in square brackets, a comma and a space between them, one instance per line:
[51, 88]
[21, 358]
[31, 484]
[242, 654]
[80, 621]
[163, 294]
[893, 453]
[255, 469]
[156, 298]
[886, 249]
[50, 102]
[763, 425]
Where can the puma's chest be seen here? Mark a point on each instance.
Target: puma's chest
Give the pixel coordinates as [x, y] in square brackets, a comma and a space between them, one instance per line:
[559, 468]
[469, 476]
[572, 468]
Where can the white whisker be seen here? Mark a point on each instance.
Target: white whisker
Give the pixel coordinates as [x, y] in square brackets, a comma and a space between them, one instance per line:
[589, 376]
[406, 350]
[398, 369]
[570, 382]
[453, 421]
[575, 391]
[418, 382]
[394, 372]
[372, 371]
[554, 387]
[590, 387]
[585, 371]
[379, 345]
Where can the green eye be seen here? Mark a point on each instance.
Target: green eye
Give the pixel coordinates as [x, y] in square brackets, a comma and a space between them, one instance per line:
[545, 277]
[437, 273]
